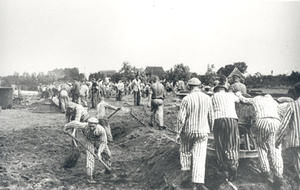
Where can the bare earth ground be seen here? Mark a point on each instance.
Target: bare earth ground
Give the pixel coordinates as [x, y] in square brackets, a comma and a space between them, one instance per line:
[33, 149]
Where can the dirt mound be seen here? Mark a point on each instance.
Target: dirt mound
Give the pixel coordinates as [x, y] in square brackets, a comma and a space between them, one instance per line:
[45, 106]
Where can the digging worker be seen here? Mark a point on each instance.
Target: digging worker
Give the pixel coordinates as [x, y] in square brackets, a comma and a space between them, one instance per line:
[156, 100]
[290, 130]
[226, 130]
[195, 118]
[76, 112]
[96, 142]
[267, 122]
[101, 115]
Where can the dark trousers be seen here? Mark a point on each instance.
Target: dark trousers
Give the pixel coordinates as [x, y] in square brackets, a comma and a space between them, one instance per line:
[137, 98]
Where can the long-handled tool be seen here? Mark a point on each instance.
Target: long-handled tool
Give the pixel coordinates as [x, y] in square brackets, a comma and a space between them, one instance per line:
[99, 159]
[113, 113]
[136, 118]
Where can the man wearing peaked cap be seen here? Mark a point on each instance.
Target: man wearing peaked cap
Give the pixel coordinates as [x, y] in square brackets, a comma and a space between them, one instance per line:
[194, 82]
[93, 120]
[194, 121]
[226, 131]
[96, 140]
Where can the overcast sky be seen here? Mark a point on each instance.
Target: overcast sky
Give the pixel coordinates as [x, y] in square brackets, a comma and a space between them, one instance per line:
[93, 35]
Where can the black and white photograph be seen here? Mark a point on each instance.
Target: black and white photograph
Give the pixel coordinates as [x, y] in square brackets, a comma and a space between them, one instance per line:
[149, 95]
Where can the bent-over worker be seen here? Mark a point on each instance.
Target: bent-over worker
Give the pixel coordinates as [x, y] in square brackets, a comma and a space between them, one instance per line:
[96, 142]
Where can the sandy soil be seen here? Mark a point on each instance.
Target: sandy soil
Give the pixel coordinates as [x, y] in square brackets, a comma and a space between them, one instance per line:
[33, 149]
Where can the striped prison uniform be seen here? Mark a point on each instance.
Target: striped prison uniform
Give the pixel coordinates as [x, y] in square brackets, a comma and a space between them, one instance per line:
[267, 122]
[290, 129]
[95, 139]
[157, 94]
[226, 131]
[194, 120]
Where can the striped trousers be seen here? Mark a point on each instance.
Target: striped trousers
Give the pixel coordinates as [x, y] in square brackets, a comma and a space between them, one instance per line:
[193, 155]
[227, 143]
[269, 155]
[90, 160]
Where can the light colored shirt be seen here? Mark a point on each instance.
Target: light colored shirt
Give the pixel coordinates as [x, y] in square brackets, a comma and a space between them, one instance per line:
[264, 106]
[120, 86]
[84, 90]
[136, 85]
[290, 125]
[224, 105]
[101, 109]
[195, 114]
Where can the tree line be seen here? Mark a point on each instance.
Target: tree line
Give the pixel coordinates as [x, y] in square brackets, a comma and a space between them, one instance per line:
[127, 72]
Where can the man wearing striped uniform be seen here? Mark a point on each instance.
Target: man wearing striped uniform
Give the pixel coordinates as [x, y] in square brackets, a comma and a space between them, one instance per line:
[195, 118]
[267, 122]
[96, 139]
[226, 131]
[290, 128]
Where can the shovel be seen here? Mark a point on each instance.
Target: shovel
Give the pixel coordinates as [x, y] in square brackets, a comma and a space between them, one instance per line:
[99, 159]
[72, 159]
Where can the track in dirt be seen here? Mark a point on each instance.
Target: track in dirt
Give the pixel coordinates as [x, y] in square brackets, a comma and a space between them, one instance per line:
[33, 149]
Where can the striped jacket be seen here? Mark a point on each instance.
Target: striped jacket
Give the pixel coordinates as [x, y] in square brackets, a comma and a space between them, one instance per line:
[265, 106]
[290, 125]
[224, 105]
[196, 113]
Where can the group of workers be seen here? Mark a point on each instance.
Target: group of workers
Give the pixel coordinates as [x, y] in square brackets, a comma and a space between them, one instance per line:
[201, 112]
[97, 129]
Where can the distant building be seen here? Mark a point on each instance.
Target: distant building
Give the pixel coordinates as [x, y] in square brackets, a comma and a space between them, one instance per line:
[108, 73]
[159, 71]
